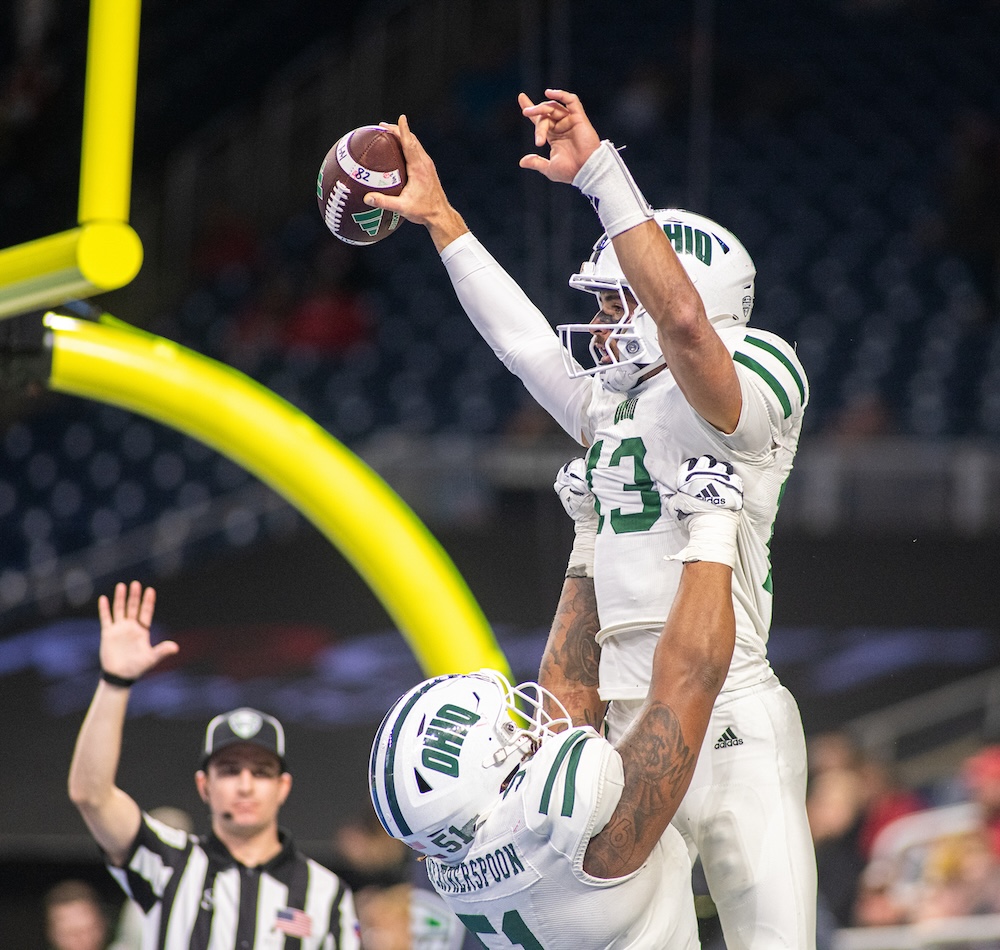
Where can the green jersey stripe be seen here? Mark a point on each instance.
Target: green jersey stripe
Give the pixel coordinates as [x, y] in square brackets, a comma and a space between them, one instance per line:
[789, 365]
[752, 364]
[543, 806]
[569, 793]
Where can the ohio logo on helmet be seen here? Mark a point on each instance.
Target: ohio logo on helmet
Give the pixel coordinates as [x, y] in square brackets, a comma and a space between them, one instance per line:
[444, 737]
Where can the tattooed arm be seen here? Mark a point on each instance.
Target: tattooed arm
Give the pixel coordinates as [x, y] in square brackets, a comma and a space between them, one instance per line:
[661, 747]
[569, 664]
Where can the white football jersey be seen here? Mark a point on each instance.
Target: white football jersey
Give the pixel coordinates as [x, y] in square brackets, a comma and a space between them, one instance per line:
[523, 883]
[638, 440]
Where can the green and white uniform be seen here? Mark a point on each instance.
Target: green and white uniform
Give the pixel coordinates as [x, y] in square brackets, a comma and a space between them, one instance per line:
[523, 885]
[637, 442]
[745, 810]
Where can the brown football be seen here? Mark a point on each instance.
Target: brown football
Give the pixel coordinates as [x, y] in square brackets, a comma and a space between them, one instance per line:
[366, 159]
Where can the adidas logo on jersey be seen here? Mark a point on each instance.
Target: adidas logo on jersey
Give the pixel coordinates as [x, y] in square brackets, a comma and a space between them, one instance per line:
[728, 739]
[710, 494]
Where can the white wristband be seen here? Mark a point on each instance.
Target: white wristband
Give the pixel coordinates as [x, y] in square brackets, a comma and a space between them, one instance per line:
[581, 558]
[711, 537]
[609, 185]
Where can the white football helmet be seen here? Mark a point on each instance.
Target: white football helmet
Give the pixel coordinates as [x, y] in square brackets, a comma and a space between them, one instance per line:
[719, 266]
[443, 751]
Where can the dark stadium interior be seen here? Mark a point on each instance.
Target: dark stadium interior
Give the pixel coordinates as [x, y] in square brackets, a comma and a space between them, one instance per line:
[853, 145]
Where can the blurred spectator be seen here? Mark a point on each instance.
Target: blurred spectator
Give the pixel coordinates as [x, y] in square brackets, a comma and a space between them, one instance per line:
[384, 917]
[885, 800]
[877, 904]
[982, 777]
[851, 799]
[333, 314]
[397, 909]
[950, 869]
[75, 918]
[835, 804]
[405, 917]
[961, 877]
[365, 856]
[832, 750]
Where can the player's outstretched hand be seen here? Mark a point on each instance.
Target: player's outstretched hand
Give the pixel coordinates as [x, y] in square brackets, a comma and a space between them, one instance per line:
[423, 196]
[126, 649]
[560, 123]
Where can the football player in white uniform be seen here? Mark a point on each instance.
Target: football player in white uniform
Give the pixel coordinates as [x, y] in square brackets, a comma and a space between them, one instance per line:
[557, 840]
[673, 370]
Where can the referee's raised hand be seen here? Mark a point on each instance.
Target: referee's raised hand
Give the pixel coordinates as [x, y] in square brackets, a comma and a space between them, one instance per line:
[126, 649]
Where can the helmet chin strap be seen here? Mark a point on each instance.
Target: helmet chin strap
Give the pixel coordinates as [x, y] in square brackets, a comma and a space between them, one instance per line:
[621, 379]
[627, 374]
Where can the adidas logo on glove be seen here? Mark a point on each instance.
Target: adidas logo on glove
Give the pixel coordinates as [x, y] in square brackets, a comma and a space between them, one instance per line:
[710, 494]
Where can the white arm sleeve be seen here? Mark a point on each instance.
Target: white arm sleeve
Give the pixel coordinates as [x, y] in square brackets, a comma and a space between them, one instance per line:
[517, 331]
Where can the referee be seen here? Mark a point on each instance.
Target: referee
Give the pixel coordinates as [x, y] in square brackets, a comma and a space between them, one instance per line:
[244, 886]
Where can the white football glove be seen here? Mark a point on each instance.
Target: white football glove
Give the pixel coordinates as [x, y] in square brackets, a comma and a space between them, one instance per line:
[708, 502]
[706, 484]
[578, 500]
[574, 493]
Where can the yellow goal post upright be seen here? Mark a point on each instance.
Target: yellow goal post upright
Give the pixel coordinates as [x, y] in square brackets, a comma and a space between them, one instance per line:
[111, 362]
[102, 253]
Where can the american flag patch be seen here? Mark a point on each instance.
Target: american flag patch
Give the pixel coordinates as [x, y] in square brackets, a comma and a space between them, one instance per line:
[295, 923]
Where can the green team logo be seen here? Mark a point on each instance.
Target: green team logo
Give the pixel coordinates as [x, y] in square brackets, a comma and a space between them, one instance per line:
[368, 221]
[689, 240]
[444, 736]
[371, 221]
[626, 410]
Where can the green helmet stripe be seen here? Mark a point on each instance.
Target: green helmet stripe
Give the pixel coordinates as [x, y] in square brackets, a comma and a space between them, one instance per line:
[387, 772]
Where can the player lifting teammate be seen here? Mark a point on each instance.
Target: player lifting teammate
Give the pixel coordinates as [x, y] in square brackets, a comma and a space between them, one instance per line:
[675, 372]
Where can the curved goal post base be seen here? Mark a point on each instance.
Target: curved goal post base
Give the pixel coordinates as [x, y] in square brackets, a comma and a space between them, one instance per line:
[399, 559]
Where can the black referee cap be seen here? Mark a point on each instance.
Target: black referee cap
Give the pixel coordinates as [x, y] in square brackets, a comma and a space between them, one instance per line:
[245, 725]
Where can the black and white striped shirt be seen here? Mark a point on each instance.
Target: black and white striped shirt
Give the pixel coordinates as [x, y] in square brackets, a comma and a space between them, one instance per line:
[196, 896]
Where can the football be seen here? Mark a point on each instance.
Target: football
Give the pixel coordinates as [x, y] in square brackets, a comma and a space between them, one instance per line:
[366, 159]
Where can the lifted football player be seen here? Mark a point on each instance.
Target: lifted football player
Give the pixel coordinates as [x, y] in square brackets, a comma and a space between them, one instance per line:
[674, 372]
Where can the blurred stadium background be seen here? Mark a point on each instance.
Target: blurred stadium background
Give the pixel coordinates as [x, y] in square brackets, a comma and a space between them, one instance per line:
[853, 145]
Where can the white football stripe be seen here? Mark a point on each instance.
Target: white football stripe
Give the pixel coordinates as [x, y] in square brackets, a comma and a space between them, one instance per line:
[367, 176]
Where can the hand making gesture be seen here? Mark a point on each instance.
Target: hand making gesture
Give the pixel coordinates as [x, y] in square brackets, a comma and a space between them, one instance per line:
[560, 123]
[126, 650]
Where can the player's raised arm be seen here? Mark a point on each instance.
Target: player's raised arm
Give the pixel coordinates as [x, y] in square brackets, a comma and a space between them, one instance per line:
[694, 353]
[126, 654]
[423, 200]
[660, 749]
